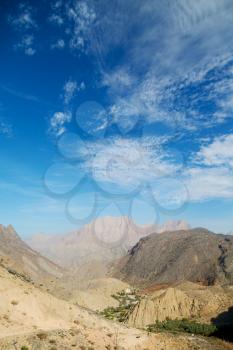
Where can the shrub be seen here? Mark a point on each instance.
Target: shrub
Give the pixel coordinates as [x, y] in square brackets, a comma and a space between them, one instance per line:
[183, 325]
[127, 302]
[42, 336]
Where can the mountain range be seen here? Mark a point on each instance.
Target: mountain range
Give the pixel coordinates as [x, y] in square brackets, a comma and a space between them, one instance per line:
[43, 304]
[104, 240]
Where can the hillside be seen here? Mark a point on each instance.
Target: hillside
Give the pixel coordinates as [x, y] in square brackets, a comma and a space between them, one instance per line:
[33, 319]
[20, 259]
[196, 255]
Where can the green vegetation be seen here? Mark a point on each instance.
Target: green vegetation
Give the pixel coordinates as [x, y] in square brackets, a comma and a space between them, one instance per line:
[183, 325]
[24, 348]
[127, 300]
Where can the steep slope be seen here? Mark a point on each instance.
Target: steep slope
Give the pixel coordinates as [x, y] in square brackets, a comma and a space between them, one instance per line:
[20, 259]
[103, 240]
[196, 255]
[185, 300]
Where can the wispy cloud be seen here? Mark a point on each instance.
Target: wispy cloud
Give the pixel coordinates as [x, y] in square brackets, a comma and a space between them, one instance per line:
[70, 88]
[24, 95]
[189, 70]
[25, 24]
[6, 129]
[56, 19]
[217, 153]
[77, 19]
[59, 44]
[209, 175]
[27, 45]
[58, 122]
[132, 163]
[24, 18]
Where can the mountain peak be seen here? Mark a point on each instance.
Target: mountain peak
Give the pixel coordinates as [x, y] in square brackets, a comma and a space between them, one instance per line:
[7, 232]
[10, 229]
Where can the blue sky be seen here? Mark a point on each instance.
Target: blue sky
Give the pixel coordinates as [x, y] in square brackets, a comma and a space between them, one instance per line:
[118, 108]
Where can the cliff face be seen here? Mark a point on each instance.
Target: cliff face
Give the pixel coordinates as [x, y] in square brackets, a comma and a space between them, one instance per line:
[185, 300]
[196, 255]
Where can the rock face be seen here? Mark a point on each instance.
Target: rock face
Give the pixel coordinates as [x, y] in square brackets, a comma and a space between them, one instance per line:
[186, 300]
[103, 240]
[19, 258]
[196, 255]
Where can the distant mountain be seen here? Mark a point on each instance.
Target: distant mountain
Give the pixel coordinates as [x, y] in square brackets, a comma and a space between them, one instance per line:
[105, 239]
[18, 258]
[196, 255]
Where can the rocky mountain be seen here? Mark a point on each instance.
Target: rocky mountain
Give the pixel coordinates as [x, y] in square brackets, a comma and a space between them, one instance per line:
[196, 255]
[18, 258]
[103, 240]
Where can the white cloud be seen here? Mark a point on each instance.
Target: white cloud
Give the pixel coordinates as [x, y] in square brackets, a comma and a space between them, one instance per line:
[58, 122]
[217, 153]
[118, 80]
[24, 23]
[166, 47]
[178, 101]
[56, 19]
[24, 19]
[209, 183]
[71, 87]
[128, 162]
[77, 19]
[210, 175]
[82, 17]
[27, 45]
[6, 129]
[60, 44]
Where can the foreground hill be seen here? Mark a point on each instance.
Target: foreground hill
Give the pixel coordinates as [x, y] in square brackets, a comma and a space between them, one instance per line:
[33, 319]
[20, 259]
[196, 255]
[103, 240]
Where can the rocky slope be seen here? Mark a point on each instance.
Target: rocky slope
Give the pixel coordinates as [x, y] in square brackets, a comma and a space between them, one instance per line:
[196, 255]
[103, 240]
[20, 259]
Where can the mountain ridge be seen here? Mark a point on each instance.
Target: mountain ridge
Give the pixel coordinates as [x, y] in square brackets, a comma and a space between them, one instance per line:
[17, 257]
[104, 239]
